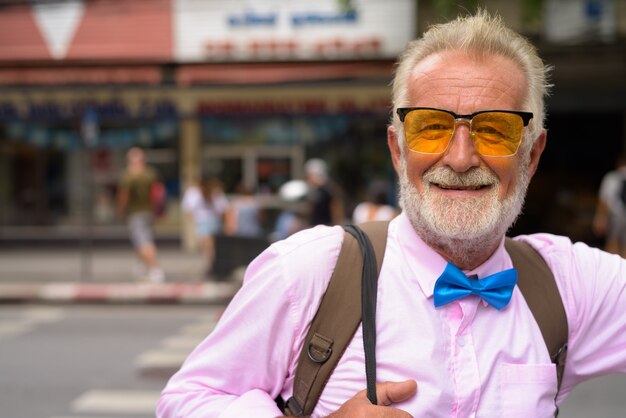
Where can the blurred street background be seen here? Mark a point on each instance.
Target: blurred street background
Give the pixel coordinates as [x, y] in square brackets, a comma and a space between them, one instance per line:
[245, 93]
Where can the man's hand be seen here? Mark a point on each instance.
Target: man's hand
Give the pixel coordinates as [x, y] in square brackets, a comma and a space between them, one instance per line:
[387, 393]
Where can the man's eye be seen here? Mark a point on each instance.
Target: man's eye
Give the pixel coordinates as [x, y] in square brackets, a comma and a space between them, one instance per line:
[434, 127]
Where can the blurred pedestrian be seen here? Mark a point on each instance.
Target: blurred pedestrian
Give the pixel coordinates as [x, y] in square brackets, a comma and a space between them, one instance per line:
[134, 202]
[243, 216]
[376, 205]
[325, 203]
[205, 204]
[610, 217]
[293, 217]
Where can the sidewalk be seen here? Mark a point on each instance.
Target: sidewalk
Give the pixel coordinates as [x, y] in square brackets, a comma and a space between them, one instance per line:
[105, 275]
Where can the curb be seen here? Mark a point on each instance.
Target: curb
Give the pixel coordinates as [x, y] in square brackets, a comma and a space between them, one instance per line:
[166, 293]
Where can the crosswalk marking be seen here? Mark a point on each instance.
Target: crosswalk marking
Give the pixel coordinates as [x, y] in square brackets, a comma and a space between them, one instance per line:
[116, 402]
[172, 352]
[45, 314]
[183, 342]
[28, 319]
[199, 328]
[14, 328]
[161, 359]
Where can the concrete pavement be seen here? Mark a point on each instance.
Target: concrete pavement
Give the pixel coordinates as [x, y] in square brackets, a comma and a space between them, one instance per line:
[106, 275]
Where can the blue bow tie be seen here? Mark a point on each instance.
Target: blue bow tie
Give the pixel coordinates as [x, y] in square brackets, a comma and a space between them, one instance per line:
[496, 289]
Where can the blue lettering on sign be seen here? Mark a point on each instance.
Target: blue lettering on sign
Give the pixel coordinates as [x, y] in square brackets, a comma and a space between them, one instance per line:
[303, 19]
[252, 19]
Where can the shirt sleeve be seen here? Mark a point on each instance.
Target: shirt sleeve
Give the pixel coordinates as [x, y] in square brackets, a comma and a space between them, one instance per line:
[599, 336]
[592, 284]
[249, 358]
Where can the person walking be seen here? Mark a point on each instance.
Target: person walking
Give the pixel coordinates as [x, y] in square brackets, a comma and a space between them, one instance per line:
[243, 215]
[376, 205]
[610, 217]
[134, 202]
[455, 336]
[324, 201]
[205, 205]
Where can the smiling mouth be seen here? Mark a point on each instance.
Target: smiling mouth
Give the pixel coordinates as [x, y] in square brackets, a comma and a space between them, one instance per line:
[458, 187]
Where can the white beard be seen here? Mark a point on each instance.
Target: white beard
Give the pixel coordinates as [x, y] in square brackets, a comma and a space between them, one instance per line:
[461, 226]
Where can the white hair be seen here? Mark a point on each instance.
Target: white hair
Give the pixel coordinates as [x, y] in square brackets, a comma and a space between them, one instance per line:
[481, 34]
[316, 167]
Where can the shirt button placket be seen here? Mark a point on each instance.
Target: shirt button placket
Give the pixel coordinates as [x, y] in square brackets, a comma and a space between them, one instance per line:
[467, 375]
[464, 365]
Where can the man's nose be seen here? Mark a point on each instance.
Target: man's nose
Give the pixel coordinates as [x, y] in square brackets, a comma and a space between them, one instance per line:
[461, 154]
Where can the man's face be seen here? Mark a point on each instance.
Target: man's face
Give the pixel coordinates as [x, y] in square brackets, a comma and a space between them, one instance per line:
[460, 194]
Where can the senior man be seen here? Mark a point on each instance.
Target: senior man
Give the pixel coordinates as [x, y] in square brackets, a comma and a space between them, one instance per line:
[466, 137]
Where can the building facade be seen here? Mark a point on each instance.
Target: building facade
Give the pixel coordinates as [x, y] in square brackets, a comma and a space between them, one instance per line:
[248, 91]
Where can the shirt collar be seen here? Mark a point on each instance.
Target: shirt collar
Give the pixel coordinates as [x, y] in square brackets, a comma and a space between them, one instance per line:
[426, 265]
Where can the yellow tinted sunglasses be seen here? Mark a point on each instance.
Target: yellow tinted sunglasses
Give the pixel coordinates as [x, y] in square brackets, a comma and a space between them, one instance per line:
[496, 133]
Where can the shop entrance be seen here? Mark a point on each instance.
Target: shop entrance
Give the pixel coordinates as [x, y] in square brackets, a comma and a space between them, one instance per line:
[261, 169]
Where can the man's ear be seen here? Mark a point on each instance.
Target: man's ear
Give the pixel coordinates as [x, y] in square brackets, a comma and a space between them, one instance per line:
[536, 151]
[394, 147]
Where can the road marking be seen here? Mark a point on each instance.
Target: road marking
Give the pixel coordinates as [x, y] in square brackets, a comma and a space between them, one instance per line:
[116, 402]
[201, 328]
[172, 352]
[183, 342]
[45, 314]
[27, 320]
[161, 358]
[14, 328]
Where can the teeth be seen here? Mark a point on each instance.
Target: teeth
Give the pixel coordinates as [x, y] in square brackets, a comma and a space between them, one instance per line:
[459, 187]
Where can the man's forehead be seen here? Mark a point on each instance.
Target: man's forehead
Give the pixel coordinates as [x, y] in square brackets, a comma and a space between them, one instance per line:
[458, 73]
[461, 65]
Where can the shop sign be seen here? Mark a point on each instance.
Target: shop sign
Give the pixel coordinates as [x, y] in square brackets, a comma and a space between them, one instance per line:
[239, 30]
[75, 125]
[293, 107]
[105, 110]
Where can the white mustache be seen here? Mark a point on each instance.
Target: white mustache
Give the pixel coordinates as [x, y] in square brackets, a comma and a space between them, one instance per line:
[475, 177]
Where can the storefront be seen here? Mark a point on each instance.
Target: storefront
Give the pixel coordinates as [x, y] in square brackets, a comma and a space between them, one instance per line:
[62, 150]
[206, 88]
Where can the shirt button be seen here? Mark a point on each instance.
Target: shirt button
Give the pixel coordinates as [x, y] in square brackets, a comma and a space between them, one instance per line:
[460, 341]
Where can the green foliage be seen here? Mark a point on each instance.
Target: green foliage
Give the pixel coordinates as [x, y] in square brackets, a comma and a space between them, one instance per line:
[451, 8]
[531, 11]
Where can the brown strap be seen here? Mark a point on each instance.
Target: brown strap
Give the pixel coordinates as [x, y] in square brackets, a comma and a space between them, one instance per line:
[538, 286]
[328, 337]
[335, 322]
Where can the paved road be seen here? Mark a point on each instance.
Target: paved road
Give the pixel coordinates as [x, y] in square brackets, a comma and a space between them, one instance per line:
[88, 361]
[78, 361]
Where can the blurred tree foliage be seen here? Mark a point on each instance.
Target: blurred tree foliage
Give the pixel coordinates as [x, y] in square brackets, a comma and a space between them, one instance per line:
[531, 9]
[451, 8]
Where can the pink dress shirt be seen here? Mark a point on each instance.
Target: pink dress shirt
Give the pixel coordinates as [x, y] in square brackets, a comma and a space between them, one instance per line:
[468, 359]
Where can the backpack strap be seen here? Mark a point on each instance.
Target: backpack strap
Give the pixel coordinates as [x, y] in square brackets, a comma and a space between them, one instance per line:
[328, 337]
[335, 322]
[538, 286]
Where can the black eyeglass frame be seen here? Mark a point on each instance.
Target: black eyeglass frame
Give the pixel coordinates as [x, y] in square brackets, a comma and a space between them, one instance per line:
[526, 116]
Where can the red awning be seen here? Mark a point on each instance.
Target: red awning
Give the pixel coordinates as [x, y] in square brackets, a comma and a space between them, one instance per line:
[149, 74]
